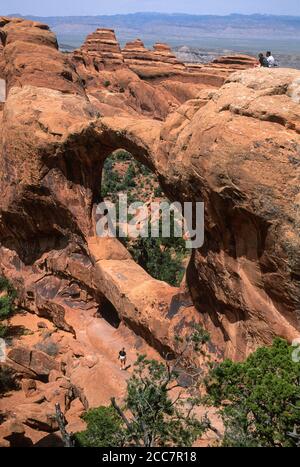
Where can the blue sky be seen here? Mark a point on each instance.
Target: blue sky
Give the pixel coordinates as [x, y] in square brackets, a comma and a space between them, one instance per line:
[100, 7]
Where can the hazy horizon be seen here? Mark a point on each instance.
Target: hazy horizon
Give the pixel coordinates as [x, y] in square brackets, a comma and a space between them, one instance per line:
[174, 13]
[249, 35]
[194, 7]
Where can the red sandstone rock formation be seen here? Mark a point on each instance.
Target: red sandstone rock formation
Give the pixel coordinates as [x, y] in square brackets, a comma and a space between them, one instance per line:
[237, 61]
[30, 48]
[149, 82]
[103, 48]
[161, 68]
[247, 117]
[34, 361]
[151, 63]
[112, 84]
[235, 147]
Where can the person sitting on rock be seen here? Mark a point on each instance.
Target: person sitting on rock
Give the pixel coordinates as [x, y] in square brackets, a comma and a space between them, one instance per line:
[122, 358]
[263, 61]
[271, 59]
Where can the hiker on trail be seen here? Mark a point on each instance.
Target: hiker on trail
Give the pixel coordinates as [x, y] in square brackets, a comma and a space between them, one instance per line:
[263, 61]
[122, 358]
[271, 59]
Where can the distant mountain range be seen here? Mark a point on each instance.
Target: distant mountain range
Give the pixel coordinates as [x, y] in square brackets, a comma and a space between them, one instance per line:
[233, 32]
[178, 25]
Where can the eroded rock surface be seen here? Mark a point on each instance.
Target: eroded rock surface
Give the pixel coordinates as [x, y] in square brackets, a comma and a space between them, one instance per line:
[230, 140]
[151, 82]
[236, 61]
[236, 147]
[103, 46]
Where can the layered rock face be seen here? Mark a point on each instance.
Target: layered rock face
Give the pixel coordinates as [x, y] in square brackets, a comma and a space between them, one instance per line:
[239, 152]
[236, 61]
[223, 148]
[111, 84]
[150, 63]
[103, 48]
[50, 209]
[32, 46]
[139, 80]
[236, 148]
[56, 367]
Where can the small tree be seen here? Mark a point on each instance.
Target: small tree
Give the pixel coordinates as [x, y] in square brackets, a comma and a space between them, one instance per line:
[103, 427]
[7, 298]
[259, 398]
[295, 434]
[160, 412]
[160, 261]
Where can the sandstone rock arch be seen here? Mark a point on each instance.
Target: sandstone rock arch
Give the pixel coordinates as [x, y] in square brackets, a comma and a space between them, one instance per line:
[48, 226]
[236, 148]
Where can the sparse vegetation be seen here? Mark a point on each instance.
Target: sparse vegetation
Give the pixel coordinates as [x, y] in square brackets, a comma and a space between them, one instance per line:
[158, 412]
[8, 295]
[103, 425]
[259, 399]
[158, 192]
[7, 298]
[121, 155]
[163, 258]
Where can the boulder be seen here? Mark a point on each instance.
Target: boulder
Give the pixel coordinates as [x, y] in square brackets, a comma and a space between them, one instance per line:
[28, 387]
[39, 417]
[42, 325]
[54, 375]
[237, 61]
[13, 434]
[36, 361]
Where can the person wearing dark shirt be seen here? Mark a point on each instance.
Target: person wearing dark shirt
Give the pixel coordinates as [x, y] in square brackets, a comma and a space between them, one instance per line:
[263, 61]
[122, 358]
